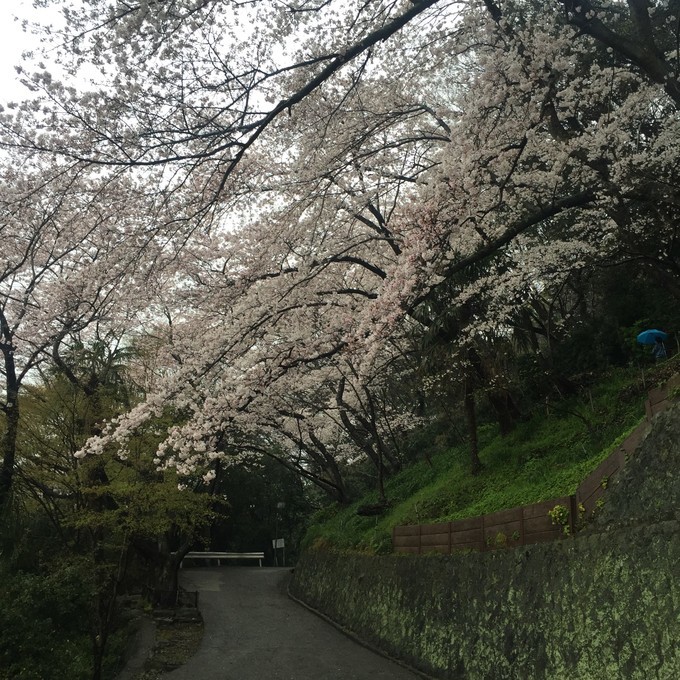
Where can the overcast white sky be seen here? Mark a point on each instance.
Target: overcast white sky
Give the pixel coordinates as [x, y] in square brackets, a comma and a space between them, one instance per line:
[14, 41]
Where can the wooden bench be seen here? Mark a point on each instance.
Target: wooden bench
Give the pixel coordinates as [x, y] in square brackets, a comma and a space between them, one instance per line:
[207, 555]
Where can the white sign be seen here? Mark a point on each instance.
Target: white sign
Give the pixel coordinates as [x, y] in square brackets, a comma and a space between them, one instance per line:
[278, 543]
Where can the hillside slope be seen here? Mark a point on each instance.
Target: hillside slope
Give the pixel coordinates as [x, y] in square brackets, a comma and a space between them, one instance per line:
[545, 457]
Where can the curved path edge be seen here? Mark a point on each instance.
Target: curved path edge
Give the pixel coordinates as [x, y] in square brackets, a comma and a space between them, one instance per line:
[355, 638]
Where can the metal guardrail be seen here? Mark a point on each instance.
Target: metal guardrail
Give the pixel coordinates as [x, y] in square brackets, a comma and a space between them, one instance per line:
[219, 556]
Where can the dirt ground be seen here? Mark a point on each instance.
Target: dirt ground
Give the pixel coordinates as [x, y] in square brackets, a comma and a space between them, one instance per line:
[163, 643]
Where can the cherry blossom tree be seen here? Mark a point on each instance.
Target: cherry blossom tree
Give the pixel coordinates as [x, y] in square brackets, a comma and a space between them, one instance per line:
[71, 271]
[334, 418]
[37, 249]
[337, 173]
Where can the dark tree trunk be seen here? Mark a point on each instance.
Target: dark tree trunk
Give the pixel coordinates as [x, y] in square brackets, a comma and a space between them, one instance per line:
[9, 439]
[507, 413]
[163, 582]
[9, 447]
[337, 492]
[471, 415]
[330, 466]
[364, 436]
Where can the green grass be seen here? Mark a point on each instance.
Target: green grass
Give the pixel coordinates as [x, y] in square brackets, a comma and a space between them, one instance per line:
[545, 457]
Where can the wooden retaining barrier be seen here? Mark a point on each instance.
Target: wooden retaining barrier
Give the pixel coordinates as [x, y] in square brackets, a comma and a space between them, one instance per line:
[539, 522]
[506, 528]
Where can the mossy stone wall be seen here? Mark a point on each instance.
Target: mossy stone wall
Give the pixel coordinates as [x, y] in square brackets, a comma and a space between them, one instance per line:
[602, 606]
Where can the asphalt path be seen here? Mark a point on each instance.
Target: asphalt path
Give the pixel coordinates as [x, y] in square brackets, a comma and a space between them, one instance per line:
[254, 631]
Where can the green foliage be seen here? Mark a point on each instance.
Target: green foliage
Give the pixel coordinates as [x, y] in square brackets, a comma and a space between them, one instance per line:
[85, 530]
[545, 457]
[45, 622]
[45, 632]
[141, 503]
[559, 515]
[266, 501]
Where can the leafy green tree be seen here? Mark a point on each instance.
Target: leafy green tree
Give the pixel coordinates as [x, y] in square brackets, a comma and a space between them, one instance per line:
[117, 517]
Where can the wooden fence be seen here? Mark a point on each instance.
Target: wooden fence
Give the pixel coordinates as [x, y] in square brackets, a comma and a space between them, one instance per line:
[546, 521]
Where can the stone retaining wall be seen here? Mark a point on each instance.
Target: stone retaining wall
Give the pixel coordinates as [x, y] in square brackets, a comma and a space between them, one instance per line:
[604, 605]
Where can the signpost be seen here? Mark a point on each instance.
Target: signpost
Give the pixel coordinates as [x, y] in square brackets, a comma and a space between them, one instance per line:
[276, 544]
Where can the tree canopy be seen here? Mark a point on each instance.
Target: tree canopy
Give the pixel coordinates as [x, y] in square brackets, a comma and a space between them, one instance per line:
[287, 202]
[318, 235]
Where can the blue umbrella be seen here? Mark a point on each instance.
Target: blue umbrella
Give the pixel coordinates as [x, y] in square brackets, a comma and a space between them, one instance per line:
[650, 336]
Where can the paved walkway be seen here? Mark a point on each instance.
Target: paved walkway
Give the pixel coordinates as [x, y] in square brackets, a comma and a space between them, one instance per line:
[254, 631]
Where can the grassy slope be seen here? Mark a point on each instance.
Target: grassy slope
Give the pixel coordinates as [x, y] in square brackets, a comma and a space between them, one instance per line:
[545, 457]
